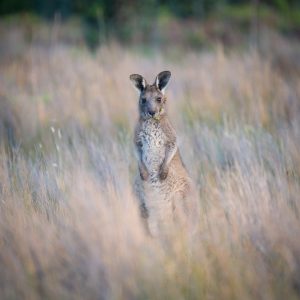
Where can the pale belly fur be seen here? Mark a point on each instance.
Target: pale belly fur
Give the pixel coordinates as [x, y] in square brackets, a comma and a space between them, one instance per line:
[157, 194]
[153, 148]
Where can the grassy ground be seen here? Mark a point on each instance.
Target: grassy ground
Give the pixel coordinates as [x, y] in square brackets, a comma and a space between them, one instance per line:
[69, 225]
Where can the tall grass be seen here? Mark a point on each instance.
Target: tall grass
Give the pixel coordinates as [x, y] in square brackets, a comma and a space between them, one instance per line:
[69, 223]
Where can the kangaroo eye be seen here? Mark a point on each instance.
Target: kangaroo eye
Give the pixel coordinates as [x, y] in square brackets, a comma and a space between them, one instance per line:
[158, 99]
[143, 100]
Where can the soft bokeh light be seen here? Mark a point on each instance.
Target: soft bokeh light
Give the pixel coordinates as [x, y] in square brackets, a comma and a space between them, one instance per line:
[69, 220]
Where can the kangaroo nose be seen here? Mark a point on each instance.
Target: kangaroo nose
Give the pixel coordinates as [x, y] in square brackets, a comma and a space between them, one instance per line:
[151, 113]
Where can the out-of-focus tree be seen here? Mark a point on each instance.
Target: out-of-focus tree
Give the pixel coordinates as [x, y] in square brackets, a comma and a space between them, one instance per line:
[135, 19]
[112, 9]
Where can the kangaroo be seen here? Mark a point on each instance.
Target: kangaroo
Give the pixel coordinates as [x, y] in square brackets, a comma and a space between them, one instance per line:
[165, 191]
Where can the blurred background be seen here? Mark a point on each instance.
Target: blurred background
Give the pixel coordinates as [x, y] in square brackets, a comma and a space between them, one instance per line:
[159, 23]
[67, 51]
[69, 222]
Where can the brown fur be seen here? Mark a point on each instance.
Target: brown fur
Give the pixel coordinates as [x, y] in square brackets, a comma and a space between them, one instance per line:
[166, 193]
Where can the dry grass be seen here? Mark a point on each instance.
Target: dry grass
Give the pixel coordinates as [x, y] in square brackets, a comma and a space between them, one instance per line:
[69, 225]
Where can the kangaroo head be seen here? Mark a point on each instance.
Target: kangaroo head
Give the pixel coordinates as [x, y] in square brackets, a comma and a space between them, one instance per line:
[152, 99]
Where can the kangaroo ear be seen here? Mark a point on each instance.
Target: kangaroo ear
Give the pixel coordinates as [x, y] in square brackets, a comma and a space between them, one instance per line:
[162, 80]
[138, 81]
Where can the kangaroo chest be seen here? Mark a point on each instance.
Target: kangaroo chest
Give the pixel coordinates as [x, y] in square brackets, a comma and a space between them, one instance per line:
[153, 139]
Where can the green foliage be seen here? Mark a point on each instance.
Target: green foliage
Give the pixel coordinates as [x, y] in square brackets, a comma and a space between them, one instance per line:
[142, 21]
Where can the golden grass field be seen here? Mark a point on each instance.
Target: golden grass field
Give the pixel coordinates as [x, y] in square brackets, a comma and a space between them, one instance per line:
[69, 223]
